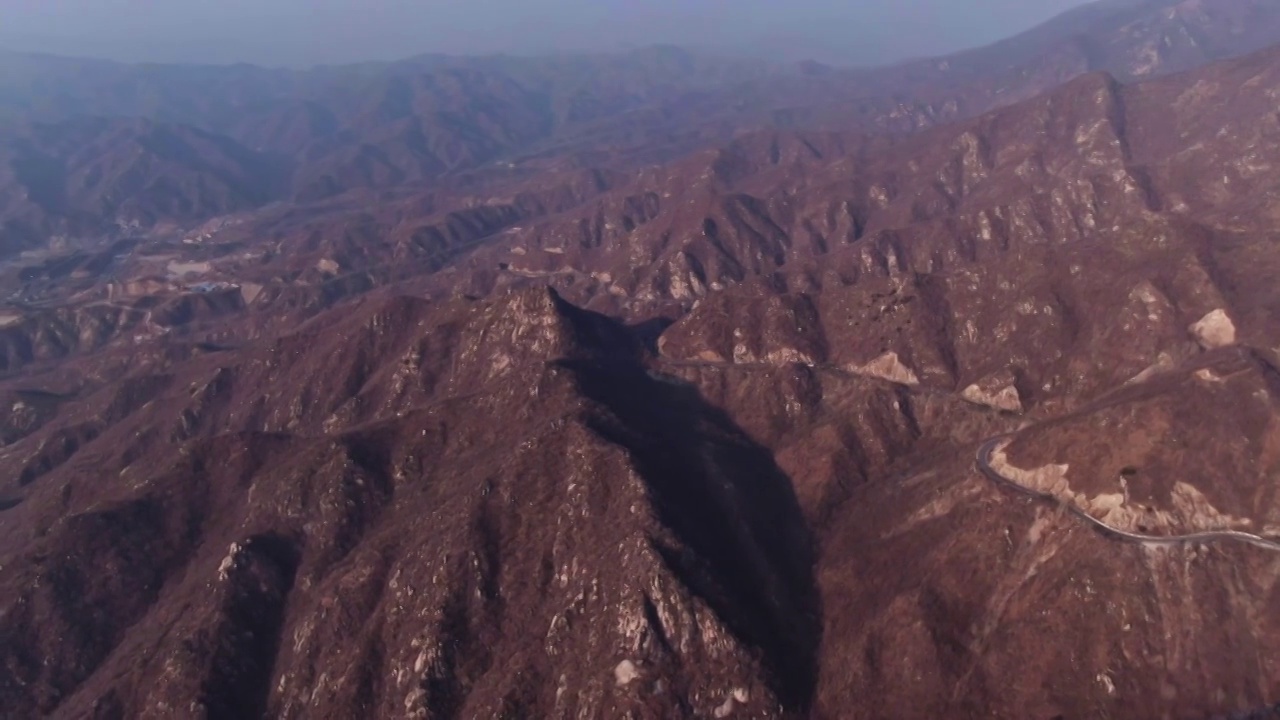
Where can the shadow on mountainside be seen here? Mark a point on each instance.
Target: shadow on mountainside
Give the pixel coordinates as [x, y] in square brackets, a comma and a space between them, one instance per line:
[746, 550]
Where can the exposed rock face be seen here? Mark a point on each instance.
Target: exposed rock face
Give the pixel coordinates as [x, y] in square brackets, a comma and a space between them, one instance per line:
[1215, 330]
[999, 391]
[889, 367]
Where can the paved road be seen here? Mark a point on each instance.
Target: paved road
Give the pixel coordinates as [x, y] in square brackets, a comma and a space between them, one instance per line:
[988, 448]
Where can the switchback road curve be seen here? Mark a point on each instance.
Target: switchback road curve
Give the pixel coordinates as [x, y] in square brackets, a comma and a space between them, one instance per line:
[988, 448]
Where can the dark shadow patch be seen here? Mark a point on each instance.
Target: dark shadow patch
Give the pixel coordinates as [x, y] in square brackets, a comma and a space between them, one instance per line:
[252, 617]
[648, 332]
[745, 547]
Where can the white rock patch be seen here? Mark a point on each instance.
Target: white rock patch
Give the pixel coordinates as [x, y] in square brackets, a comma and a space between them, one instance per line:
[889, 367]
[625, 673]
[788, 356]
[1050, 479]
[1191, 511]
[1164, 362]
[1000, 398]
[229, 562]
[1215, 330]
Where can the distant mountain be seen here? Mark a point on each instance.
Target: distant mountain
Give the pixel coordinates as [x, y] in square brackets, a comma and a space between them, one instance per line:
[250, 135]
[1128, 39]
[382, 124]
[376, 124]
[90, 176]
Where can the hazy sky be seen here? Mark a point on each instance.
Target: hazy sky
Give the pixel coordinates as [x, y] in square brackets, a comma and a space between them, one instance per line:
[303, 32]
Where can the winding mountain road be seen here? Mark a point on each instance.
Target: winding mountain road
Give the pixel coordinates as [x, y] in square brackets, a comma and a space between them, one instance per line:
[983, 460]
[988, 448]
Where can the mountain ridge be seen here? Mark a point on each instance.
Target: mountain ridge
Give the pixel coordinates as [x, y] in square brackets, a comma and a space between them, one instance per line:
[388, 124]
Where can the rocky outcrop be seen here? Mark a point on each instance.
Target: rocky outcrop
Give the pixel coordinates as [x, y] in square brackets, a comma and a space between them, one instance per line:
[999, 392]
[1215, 330]
[889, 367]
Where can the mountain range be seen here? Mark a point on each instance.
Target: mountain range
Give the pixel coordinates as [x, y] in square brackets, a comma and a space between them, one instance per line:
[649, 385]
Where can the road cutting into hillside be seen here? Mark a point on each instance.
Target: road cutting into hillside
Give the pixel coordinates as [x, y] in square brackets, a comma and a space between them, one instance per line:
[988, 448]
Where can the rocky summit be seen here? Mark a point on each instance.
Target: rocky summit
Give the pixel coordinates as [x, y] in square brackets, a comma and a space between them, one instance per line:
[649, 385]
